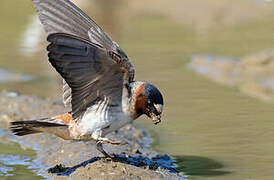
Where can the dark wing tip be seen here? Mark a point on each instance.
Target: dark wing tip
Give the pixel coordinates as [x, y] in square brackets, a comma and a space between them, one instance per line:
[51, 37]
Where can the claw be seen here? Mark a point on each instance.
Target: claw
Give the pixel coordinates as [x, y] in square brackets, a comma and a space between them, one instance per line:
[115, 142]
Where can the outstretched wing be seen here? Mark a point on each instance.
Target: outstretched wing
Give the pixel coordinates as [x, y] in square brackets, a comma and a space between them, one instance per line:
[90, 72]
[62, 16]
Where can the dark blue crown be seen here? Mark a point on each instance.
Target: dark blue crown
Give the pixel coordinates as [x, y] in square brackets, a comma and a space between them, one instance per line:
[153, 94]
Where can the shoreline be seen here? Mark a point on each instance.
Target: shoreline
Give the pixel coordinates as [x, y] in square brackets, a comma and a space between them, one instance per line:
[59, 159]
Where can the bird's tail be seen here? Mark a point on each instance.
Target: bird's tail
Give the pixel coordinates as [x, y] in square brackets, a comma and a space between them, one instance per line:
[48, 125]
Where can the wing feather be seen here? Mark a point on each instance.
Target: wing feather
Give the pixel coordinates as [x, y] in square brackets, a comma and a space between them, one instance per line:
[87, 70]
[70, 58]
[66, 95]
[62, 16]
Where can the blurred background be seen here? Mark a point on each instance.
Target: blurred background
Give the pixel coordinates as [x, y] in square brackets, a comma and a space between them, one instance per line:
[213, 61]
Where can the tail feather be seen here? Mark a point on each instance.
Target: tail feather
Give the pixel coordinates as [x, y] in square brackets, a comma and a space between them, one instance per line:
[21, 128]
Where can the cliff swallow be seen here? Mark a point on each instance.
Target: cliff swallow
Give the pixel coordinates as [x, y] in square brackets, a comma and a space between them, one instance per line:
[98, 85]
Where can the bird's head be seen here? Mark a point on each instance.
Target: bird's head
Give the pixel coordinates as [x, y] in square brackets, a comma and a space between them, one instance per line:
[149, 101]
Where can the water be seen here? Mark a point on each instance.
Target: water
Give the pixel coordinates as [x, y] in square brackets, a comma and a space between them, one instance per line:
[6, 76]
[15, 162]
[213, 130]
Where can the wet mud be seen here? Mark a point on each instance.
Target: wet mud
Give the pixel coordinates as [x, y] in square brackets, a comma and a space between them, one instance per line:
[59, 159]
[252, 74]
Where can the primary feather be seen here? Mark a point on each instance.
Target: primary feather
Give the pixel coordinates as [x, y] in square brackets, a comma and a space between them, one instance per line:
[93, 66]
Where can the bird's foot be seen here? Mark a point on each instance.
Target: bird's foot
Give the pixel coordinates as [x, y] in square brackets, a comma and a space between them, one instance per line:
[114, 142]
[113, 158]
[110, 141]
[99, 147]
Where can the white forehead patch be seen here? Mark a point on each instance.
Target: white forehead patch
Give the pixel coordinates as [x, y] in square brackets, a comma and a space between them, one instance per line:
[159, 107]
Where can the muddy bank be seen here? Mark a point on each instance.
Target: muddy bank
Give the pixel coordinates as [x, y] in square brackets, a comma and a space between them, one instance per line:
[252, 74]
[80, 160]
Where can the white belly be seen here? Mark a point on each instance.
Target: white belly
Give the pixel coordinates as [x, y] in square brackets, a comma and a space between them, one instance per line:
[97, 118]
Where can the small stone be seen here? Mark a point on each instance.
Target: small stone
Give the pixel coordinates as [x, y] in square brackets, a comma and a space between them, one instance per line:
[57, 169]
[12, 94]
[136, 151]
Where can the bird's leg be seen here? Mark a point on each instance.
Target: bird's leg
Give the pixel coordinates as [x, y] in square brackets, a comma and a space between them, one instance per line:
[99, 147]
[98, 135]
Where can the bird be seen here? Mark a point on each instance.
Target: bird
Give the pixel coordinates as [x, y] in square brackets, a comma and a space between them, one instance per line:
[98, 80]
